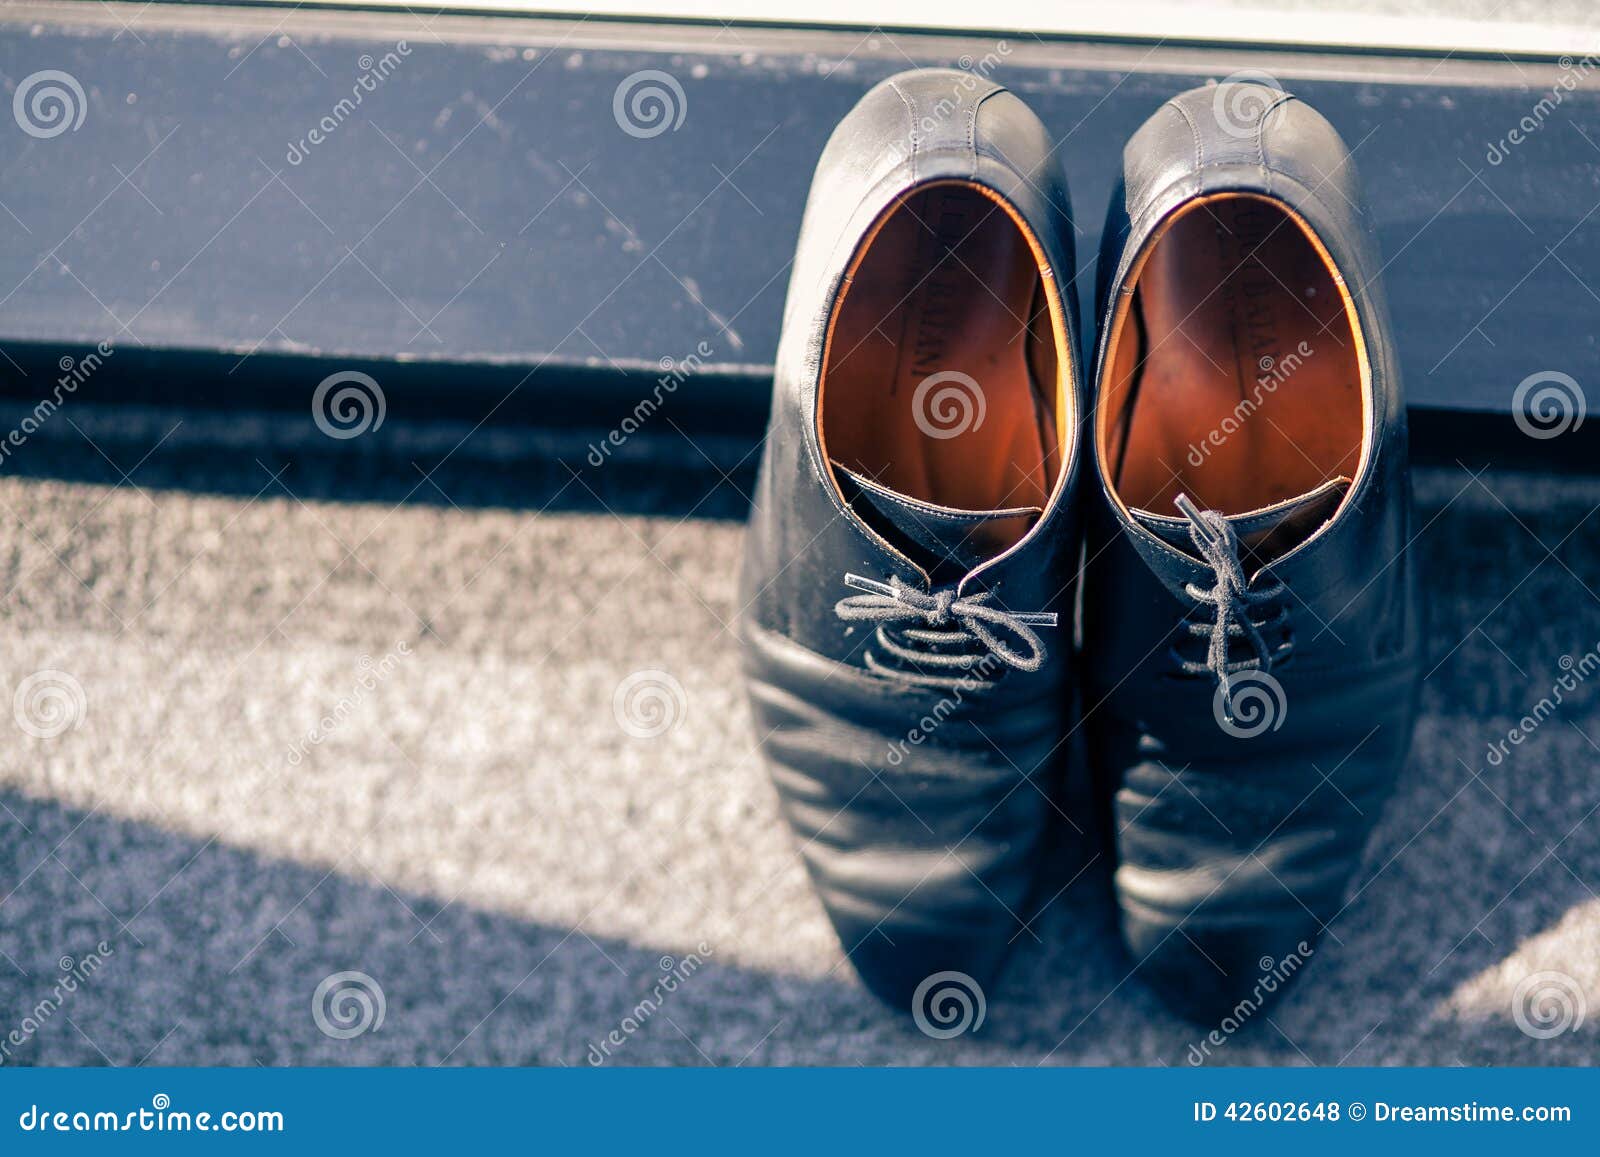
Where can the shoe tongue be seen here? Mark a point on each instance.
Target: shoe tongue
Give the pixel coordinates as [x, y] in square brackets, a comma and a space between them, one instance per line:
[1264, 534]
[941, 538]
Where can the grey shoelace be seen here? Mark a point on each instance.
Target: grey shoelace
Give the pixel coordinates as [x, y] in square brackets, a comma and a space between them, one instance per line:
[1231, 602]
[939, 638]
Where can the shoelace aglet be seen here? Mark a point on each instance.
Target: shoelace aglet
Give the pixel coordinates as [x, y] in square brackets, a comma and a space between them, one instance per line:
[871, 586]
[1036, 618]
[1192, 512]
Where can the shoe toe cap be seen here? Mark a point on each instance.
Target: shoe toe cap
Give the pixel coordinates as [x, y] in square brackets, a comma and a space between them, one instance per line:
[931, 975]
[1219, 975]
[928, 913]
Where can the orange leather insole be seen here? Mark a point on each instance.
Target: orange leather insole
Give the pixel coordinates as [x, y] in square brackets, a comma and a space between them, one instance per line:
[947, 285]
[1235, 376]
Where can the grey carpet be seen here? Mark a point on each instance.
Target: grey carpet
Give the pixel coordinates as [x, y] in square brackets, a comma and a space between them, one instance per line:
[479, 835]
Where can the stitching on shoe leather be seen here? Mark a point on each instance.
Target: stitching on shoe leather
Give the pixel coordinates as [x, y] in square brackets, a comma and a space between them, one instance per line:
[1261, 128]
[1194, 132]
[911, 124]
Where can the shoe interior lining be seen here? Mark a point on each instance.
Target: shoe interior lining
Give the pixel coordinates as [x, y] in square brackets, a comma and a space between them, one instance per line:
[949, 282]
[1236, 372]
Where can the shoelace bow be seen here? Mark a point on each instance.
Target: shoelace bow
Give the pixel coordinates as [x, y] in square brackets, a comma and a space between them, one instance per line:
[940, 619]
[1231, 599]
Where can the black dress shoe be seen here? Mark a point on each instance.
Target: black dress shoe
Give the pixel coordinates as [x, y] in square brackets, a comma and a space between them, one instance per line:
[907, 581]
[1251, 633]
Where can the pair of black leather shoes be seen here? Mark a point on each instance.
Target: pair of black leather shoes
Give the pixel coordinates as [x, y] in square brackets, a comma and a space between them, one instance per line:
[1232, 490]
